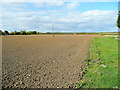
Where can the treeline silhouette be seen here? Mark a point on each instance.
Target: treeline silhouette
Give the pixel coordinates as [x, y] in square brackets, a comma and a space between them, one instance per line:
[55, 33]
[19, 32]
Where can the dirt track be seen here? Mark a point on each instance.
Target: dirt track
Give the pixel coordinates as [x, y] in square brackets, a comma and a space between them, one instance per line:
[43, 61]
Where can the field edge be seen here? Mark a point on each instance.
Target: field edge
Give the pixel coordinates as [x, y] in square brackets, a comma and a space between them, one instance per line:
[97, 64]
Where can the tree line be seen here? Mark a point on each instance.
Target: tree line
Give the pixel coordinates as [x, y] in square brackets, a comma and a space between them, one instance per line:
[19, 33]
[56, 33]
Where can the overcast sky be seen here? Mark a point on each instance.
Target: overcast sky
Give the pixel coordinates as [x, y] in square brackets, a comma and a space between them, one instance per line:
[67, 16]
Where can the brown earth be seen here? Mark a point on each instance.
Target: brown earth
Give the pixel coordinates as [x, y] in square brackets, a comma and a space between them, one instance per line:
[43, 61]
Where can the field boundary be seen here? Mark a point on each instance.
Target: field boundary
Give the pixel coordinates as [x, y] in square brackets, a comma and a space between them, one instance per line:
[102, 59]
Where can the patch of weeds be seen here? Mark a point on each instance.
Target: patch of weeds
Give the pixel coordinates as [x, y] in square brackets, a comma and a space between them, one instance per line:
[88, 61]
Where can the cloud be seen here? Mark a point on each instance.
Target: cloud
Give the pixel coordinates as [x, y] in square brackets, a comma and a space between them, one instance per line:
[95, 20]
[48, 4]
[72, 5]
[60, 1]
[17, 18]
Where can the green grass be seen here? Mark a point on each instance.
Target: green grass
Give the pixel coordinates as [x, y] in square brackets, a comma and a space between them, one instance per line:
[102, 69]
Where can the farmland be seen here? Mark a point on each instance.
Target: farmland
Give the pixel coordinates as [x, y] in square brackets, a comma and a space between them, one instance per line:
[43, 61]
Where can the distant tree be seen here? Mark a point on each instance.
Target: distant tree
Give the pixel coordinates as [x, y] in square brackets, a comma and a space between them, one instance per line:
[6, 32]
[38, 33]
[32, 32]
[118, 20]
[14, 33]
[48, 32]
[22, 32]
[18, 33]
[1, 33]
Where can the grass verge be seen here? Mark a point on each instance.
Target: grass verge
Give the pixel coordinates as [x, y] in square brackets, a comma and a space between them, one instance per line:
[102, 69]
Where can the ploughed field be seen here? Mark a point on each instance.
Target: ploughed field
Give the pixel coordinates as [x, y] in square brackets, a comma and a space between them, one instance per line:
[43, 61]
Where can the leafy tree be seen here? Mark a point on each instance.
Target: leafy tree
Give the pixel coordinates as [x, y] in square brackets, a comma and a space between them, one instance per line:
[118, 20]
[22, 32]
[6, 32]
[31, 32]
[14, 33]
[18, 33]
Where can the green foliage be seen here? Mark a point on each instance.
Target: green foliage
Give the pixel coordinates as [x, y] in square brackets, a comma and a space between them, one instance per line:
[58, 33]
[102, 70]
[22, 32]
[32, 32]
[118, 20]
[6, 32]
[85, 33]
[15, 33]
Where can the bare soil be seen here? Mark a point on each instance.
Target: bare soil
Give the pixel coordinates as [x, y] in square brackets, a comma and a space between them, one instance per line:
[43, 61]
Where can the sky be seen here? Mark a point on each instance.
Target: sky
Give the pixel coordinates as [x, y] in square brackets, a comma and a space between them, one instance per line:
[66, 16]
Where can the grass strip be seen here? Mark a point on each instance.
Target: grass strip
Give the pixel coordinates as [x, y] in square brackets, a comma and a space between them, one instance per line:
[102, 64]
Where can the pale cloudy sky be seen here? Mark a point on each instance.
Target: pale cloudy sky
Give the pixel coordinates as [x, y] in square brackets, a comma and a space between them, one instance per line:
[67, 16]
